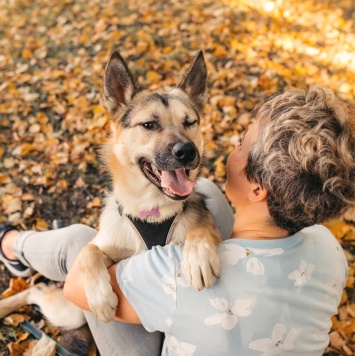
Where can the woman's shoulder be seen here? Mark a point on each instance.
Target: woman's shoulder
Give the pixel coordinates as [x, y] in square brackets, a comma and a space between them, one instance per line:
[313, 248]
[317, 232]
[328, 251]
[327, 247]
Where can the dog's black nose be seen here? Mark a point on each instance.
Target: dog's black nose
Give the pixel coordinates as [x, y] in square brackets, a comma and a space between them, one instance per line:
[184, 152]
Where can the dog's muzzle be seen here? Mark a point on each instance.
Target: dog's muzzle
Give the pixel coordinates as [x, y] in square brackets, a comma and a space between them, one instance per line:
[171, 169]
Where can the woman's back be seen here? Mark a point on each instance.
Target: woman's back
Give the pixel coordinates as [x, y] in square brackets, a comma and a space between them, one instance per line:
[273, 296]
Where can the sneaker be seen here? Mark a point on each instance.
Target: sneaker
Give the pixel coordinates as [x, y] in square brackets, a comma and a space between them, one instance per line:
[17, 268]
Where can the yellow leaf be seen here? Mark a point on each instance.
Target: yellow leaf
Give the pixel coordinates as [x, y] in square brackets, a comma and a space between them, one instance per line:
[12, 89]
[99, 121]
[26, 53]
[350, 282]
[153, 76]
[338, 228]
[219, 51]
[63, 184]
[22, 336]
[41, 225]
[95, 203]
[220, 167]
[15, 319]
[336, 340]
[42, 118]
[98, 109]
[351, 309]
[26, 148]
[4, 122]
[4, 179]
[27, 197]
[350, 235]
[16, 285]
[84, 38]
[237, 45]
[210, 145]
[142, 46]
[15, 349]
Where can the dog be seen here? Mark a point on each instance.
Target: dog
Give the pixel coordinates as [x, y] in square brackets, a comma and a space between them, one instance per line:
[153, 155]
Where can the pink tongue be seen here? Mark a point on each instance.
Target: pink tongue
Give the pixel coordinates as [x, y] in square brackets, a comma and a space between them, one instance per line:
[177, 181]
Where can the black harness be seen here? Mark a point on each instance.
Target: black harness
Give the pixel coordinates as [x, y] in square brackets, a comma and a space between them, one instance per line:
[152, 233]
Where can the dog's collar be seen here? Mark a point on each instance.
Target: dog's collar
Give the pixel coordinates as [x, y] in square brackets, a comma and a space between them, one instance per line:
[149, 216]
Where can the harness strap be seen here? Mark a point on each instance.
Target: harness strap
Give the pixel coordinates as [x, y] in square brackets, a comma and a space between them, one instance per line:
[152, 233]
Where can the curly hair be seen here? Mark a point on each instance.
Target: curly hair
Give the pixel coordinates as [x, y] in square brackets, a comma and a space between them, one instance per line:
[304, 156]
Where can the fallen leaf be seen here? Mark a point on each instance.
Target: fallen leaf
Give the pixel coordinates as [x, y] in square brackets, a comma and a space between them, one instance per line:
[95, 203]
[15, 319]
[336, 340]
[41, 225]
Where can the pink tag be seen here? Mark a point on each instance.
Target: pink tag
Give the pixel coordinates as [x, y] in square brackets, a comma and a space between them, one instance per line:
[154, 212]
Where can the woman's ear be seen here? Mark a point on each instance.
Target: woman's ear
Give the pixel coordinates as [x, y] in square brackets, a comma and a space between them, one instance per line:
[257, 193]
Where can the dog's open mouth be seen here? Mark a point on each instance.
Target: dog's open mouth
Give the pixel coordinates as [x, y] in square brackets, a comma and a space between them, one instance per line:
[174, 184]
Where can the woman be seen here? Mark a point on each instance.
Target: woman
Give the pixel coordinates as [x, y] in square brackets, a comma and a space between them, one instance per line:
[281, 275]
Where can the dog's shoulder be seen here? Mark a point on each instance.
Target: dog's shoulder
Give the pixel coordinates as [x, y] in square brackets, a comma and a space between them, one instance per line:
[195, 206]
[193, 214]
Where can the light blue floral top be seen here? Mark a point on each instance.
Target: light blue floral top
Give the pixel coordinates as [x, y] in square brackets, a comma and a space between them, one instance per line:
[273, 296]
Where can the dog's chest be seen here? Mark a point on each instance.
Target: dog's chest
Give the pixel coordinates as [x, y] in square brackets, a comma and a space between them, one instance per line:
[153, 234]
[125, 236]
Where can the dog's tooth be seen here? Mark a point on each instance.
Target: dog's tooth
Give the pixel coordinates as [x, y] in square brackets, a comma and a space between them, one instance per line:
[155, 170]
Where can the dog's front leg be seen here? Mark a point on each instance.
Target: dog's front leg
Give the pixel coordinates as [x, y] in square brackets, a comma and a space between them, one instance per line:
[200, 256]
[101, 298]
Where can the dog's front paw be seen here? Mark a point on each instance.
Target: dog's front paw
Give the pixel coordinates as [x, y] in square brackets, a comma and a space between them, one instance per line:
[202, 263]
[102, 300]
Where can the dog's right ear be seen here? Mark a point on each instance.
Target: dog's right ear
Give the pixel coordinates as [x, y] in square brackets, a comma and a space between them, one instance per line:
[194, 82]
[119, 87]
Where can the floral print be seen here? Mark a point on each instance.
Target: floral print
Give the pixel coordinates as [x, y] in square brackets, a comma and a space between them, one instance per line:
[280, 340]
[168, 284]
[229, 313]
[179, 348]
[248, 255]
[260, 306]
[303, 274]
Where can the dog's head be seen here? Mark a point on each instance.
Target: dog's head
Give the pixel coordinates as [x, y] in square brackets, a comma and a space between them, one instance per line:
[156, 137]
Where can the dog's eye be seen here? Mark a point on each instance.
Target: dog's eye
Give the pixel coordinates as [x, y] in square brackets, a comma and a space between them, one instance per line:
[150, 125]
[189, 123]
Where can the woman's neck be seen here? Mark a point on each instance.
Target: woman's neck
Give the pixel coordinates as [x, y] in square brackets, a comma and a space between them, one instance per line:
[256, 225]
[254, 233]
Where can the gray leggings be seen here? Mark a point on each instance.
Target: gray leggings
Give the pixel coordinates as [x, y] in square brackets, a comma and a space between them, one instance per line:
[52, 253]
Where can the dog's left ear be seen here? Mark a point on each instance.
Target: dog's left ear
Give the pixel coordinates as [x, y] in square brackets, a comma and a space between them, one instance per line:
[119, 87]
[194, 81]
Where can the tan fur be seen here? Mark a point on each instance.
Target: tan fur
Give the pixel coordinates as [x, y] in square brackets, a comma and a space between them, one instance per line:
[58, 310]
[117, 237]
[176, 120]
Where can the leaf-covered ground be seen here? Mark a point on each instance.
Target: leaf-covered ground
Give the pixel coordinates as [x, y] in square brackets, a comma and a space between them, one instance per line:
[52, 58]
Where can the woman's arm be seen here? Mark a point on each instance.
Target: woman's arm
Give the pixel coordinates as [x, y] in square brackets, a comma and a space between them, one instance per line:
[74, 291]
